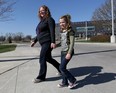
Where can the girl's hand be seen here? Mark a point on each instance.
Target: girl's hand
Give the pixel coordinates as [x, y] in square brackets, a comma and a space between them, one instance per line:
[53, 45]
[68, 56]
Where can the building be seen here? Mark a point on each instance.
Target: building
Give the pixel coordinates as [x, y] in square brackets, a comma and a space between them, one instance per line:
[90, 28]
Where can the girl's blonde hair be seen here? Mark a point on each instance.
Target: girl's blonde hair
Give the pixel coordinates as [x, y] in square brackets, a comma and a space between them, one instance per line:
[48, 14]
[67, 19]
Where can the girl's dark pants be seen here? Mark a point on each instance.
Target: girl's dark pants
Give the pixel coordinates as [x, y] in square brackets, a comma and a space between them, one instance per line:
[65, 73]
[45, 56]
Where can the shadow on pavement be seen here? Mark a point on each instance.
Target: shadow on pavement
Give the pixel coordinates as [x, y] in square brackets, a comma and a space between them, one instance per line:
[53, 78]
[94, 75]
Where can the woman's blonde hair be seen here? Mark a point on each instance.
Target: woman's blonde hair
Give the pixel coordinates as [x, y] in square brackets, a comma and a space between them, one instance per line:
[67, 19]
[48, 14]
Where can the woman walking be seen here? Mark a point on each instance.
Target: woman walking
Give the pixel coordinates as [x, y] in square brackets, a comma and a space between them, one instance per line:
[46, 36]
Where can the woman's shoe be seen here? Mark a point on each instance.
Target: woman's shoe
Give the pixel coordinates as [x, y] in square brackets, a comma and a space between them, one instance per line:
[37, 80]
[58, 74]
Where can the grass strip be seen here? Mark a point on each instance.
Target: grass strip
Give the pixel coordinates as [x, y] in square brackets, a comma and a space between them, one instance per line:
[7, 48]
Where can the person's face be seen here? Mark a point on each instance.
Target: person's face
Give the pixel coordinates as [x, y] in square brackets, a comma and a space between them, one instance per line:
[42, 12]
[63, 24]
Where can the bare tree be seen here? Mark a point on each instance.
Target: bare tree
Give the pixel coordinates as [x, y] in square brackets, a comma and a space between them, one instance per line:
[28, 37]
[9, 37]
[6, 8]
[104, 12]
[2, 38]
[102, 16]
[18, 36]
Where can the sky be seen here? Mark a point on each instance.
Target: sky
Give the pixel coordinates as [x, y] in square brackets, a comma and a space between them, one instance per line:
[26, 19]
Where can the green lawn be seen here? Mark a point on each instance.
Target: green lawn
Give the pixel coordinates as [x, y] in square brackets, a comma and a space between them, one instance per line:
[7, 48]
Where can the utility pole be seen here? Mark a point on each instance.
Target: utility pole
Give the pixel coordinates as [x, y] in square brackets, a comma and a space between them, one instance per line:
[86, 29]
[113, 38]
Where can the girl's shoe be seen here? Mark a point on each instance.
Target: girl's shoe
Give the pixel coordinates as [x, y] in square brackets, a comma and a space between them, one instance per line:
[72, 85]
[62, 85]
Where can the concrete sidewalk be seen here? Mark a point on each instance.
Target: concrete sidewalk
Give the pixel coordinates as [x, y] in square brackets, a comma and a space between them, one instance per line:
[93, 65]
[22, 53]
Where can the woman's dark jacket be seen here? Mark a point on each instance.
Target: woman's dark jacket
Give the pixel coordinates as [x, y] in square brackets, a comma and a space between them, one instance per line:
[45, 31]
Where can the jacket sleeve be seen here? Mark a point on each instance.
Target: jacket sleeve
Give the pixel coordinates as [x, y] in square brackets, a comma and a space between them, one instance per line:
[51, 24]
[72, 40]
[35, 40]
[37, 32]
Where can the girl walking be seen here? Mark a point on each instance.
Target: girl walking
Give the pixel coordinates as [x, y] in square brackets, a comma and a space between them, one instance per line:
[67, 44]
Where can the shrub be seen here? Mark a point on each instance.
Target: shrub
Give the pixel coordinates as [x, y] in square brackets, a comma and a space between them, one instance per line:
[100, 38]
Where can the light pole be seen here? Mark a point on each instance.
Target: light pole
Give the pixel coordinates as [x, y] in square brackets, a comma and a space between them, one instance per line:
[113, 38]
[86, 29]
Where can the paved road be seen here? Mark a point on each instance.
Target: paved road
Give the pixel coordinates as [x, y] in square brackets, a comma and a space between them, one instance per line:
[94, 66]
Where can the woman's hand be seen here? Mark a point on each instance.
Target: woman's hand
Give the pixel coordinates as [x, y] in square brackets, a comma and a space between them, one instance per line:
[32, 43]
[68, 56]
[53, 45]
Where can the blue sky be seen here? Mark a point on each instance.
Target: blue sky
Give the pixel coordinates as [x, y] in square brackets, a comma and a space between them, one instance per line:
[26, 19]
